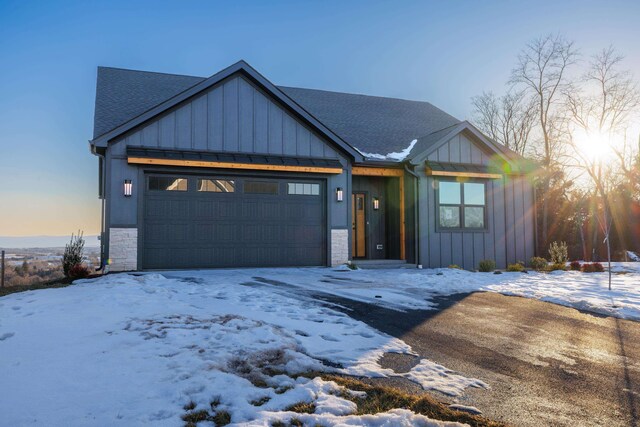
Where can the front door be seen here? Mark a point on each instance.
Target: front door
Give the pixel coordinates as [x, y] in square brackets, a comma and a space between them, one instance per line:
[358, 225]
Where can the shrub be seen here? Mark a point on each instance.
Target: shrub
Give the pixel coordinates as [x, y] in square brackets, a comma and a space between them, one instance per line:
[557, 266]
[78, 271]
[487, 265]
[515, 267]
[558, 252]
[575, 265]
[73, 253]
[538, 263]
[594, 267]
[455, 266]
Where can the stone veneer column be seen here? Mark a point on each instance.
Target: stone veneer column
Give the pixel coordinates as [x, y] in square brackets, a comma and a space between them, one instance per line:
[339, 247]
[123, 249]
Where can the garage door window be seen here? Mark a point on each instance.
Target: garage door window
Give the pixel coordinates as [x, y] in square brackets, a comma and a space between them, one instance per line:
[260, 187]
[303, 189]
[216, 185]
[167, 183]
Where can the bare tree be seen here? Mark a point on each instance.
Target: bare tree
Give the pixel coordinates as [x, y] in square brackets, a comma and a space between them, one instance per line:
[508, 119]
[542, 73]
[602, 110]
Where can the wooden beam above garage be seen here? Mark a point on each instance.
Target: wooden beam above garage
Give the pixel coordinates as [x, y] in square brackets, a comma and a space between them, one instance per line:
[371, 171]
[226, 165]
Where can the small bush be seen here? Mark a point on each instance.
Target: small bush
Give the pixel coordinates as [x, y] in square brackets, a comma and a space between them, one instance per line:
[557, 266]
[594, 267]
[455, 266]
[538, 263]
[575, 265]
[558, 252]
[73, 253]
[351, 265]
[487, 265]
[78, 271]
[517, 267]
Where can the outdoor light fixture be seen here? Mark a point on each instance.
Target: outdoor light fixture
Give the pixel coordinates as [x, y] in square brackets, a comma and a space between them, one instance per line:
[376, 203]
[128, 188]
[339, 194]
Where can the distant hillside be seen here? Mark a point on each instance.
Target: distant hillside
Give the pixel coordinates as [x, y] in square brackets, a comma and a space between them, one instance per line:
[43, 241]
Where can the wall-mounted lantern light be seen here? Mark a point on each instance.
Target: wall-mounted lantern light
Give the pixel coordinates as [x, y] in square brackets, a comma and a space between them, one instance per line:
[128, 188]
[339, 194]
[376, 203]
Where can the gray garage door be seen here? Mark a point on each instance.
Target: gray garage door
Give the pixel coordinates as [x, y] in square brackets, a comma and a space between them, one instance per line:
[218, 221]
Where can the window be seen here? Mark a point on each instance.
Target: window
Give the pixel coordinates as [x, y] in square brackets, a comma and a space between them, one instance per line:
[260, 187]
[461, 205]
[167, 183]
[303, 189]
[216, 185]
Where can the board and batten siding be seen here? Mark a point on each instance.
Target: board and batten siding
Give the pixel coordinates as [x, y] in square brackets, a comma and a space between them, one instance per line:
[509, 234]
[233, 116]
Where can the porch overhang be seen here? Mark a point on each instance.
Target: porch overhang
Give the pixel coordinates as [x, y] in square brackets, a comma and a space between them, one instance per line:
[461, 170]
[243, 161]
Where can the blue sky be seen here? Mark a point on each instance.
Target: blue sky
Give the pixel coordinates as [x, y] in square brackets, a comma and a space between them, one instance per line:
[442, 52]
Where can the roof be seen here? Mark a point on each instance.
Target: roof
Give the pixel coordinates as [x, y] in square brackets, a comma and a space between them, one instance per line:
[124, 94]
[371, 124]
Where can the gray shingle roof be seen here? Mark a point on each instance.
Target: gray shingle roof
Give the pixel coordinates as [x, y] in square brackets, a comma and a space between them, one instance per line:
[122, 94]
[371, 124]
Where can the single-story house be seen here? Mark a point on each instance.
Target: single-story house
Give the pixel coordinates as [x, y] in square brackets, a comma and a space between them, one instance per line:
[234, 171]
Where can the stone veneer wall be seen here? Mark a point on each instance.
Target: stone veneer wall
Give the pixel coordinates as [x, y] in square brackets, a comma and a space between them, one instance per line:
[123, 249]
[339, 247]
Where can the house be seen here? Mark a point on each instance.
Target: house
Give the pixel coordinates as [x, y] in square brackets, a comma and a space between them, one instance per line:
[233, 171]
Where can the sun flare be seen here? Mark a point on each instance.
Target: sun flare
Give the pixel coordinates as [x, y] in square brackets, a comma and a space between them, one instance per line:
[594, 145]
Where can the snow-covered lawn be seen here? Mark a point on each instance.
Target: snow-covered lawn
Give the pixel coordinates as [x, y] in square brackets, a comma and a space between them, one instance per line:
[134, 350]
[414, 289]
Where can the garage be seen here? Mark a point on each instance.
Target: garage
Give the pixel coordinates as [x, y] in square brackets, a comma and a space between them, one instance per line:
[232, 221]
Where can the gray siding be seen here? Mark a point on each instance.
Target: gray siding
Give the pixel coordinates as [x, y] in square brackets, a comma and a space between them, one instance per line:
[234, 116]
[509, 214]
[460, 149]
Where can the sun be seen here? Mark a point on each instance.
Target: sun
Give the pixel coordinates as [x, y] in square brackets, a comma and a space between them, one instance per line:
[593, 145]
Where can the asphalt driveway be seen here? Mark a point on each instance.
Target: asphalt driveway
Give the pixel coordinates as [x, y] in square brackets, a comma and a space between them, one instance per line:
[546, 364]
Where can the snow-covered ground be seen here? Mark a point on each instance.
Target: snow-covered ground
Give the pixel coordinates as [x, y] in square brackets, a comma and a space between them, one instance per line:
[133, 350]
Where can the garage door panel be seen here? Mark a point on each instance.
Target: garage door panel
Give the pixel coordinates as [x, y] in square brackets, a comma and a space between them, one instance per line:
[205, 229]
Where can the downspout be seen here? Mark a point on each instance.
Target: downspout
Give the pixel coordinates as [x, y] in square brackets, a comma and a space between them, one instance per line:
[102, 219]
[416, 214]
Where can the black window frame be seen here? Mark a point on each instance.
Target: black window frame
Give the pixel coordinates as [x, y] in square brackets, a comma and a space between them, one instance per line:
[167, 176]
[461, 207]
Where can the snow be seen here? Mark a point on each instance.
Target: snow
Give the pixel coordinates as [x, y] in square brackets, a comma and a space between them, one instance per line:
[135, 349]
[415, 289]
[395, 156]
[633, 256]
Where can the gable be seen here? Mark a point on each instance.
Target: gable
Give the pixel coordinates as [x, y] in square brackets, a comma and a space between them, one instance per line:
[231, 116]
[464, 144]
[461, 149]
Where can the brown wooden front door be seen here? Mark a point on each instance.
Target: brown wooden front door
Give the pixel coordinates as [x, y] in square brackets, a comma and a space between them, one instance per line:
[358, 225]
